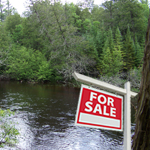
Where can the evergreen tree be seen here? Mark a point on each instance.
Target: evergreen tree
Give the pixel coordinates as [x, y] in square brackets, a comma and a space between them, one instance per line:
[128, 51]
[97, 13]
[117, 61]
[11, 22]
[18, 34]
[126, 12]
[118, 52]
[108, 16]
[111, 40]
[111, 61]
[142, 43]
[118, 39]
[106, 61]
[138, 53]
[100, 39]
[5, 47]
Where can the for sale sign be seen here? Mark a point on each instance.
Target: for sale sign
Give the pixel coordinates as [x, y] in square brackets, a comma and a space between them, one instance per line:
[99, 109]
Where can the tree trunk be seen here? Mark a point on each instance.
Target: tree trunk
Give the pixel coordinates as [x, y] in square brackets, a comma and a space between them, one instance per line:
[141, 138]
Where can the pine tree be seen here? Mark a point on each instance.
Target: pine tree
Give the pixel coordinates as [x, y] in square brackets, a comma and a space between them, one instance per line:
[130, 12]
[116, 61]
[106, 61]
[142, 43]
[5, 46]
[106, 56]
[118, 53]
[118, 40]
[109, 10]
[128, 57]
[138, 53]
[111, 59]
[111, 40]
[100, 39]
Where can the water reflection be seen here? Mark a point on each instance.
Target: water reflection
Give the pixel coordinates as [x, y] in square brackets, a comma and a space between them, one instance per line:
[45, 116]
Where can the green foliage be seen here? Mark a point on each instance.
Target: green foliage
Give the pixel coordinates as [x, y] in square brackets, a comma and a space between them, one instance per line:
[18, 34]
[110, 40]
[8, 134]
[111, 61]
[139, 53]
[96, 13]
[4, 38]
[31, 34]
[117, 60]
[135, 77]
[5, 113]
[122, 13]
[108, 16]
[45, 72]
[6, 9]
[28, 64]
[86, 25]
[107, 62]
[11, 22]
[5, 46]
[100, 39]
[55, 39]
[119, 79]
[118, 40]
[129, 55]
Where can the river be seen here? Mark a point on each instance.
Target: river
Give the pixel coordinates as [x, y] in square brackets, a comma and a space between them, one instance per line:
[45, 117]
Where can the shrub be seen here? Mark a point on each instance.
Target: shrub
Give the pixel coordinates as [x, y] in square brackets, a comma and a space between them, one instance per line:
[8, 132]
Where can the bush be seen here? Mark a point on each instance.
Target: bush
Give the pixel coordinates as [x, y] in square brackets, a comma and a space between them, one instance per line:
[8, 132]
[27, 64]
[134, 76]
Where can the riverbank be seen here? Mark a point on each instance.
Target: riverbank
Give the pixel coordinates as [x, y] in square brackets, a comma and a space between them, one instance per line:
[4, 77]
[117, 80]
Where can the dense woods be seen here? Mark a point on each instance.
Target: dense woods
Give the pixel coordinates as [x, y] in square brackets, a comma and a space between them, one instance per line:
[53, 39]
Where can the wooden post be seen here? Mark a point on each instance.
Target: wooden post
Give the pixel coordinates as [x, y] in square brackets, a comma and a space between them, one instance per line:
[121, 91]
[101, 84]
[127, 118]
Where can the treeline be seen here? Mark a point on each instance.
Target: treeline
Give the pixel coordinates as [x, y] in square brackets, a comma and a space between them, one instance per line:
[53, 39]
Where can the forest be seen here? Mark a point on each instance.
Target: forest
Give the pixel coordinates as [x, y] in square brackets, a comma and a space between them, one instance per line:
[52, 40]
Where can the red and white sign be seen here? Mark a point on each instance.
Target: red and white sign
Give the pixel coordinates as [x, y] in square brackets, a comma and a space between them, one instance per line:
[99, 109]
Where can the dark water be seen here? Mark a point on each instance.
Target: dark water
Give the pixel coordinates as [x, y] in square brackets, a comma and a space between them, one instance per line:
[45, 117]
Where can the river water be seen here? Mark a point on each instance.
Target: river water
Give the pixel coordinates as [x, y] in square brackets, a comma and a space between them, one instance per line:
[45, 117]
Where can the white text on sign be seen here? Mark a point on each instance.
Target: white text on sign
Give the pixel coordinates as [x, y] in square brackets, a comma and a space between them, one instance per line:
[101, 99]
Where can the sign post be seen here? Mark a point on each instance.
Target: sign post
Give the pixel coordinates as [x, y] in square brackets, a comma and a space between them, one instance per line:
[127, 112]
[127, 118]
